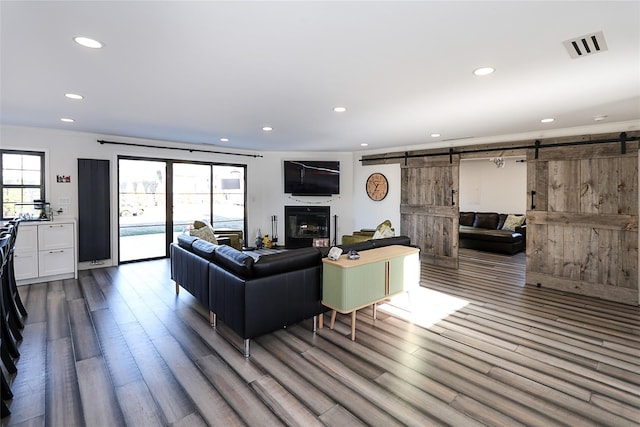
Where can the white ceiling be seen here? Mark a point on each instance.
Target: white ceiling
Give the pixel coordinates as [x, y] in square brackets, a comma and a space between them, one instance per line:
[198, 71]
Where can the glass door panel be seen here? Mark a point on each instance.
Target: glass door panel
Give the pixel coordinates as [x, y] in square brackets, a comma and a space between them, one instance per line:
[142, 209]
[191, 195]
[228, 197]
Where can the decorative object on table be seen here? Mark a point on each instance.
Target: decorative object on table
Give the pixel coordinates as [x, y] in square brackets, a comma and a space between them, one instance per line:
[259, 242]
[353, 254]
[274, 230]
[334, 253]
[377, 186]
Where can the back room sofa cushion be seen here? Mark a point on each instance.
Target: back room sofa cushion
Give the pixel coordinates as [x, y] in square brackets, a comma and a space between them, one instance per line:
[486, 220]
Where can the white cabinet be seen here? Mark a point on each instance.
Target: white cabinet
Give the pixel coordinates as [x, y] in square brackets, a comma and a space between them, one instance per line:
[25, 255]
[46, 251]
[56, 249]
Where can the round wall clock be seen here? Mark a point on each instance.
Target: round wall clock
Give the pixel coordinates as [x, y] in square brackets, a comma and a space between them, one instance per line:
[377, 186]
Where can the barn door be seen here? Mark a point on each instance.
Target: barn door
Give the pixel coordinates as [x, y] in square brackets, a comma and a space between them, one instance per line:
[582, 222]
[429, 208]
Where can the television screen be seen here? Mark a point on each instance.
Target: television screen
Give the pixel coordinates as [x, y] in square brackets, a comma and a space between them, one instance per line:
[312, 177]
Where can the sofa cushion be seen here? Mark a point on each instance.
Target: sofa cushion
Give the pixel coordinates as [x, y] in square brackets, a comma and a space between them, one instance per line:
[234, 261]
[484, 234]
[486, 220]
[512, 222]
[205, 249]
[282, 262]
[384, 230]
[204, 233]
[185, 241]
[501, 219]
[467, 218]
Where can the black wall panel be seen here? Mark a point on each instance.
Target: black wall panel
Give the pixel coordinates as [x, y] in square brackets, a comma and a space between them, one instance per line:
[94, 231]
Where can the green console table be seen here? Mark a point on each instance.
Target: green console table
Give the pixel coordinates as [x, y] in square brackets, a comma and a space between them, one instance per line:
[349, 285]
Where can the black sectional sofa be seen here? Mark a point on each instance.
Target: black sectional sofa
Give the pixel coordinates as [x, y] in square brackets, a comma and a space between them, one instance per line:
[483, 231]
[255, 295]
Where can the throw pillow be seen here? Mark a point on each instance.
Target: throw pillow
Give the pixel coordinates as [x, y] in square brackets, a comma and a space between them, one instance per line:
[384, 230]
[467, 218]
[486, 220]
[512, 222]
[204, 233]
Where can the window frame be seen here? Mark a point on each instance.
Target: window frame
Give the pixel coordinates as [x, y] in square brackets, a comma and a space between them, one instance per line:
[42, 185]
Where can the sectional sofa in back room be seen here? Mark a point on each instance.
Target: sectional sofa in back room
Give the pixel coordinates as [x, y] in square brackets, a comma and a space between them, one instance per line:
[491, 231]
[254, 295]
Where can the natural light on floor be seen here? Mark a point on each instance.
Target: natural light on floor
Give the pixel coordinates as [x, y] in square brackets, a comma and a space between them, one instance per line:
[422, 306]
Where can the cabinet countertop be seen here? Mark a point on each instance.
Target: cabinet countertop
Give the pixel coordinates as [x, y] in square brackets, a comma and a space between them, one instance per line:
[372, 255]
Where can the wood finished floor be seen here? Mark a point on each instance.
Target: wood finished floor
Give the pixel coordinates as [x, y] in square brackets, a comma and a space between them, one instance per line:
[116, 348]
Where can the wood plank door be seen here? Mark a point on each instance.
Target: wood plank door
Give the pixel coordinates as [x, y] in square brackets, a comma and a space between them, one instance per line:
[582, 222]
[429, 211]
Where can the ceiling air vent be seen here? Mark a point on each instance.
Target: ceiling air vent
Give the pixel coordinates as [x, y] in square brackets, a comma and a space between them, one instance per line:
[586, 45]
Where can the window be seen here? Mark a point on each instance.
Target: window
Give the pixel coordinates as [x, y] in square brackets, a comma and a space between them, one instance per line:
[22, 179]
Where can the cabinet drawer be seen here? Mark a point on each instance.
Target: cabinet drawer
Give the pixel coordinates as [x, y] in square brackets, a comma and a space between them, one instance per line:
[25, 264]
[27, 239]
[56, 261]
[55, 236]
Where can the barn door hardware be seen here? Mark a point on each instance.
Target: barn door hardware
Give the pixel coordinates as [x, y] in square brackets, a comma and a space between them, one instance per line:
[533, 193]
[453, 200]
[537, 146]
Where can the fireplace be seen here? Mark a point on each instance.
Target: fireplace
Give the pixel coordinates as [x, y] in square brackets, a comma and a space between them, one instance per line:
[302, 224]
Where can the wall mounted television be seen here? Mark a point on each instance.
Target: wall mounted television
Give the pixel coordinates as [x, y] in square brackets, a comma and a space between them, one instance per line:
[311, 177]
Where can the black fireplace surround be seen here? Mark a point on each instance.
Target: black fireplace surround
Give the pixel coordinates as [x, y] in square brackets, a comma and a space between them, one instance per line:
[302, 224]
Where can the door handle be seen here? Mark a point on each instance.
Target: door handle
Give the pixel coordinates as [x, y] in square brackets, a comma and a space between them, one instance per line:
[533, 205]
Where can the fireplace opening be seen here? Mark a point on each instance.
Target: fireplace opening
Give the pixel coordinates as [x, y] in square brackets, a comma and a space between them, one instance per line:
[305, 223]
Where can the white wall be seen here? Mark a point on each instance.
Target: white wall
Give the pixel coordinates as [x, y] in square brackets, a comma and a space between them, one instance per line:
[486, 188]
[366, 212]
[265, 186]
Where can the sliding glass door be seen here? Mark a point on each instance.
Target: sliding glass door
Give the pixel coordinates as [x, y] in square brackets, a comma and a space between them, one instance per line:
[159, 199]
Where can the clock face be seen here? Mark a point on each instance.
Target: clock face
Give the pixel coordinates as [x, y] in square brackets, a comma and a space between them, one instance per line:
[377, 186]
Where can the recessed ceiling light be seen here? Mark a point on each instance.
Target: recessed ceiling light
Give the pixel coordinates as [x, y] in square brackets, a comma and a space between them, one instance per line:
[224, 139]
[435, 135]
[549, 120]
[484, 71]
[67, 120]
[267, 128]
[599, 118]
[364, 144]
[73, 96]
[339, 109]
[87, 42]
